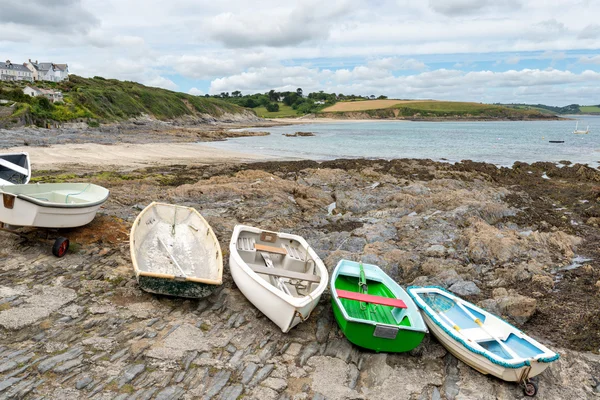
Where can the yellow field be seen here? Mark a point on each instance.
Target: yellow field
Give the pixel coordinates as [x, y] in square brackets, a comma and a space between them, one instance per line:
[367, 105]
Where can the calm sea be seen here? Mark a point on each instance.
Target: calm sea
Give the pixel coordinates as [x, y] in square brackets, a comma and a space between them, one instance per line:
[501, 143]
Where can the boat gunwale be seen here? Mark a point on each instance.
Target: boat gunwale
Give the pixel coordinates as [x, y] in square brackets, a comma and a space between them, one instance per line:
[139, 272]
[49, 204]
[335, 297]
[547, 356]
[297, 302]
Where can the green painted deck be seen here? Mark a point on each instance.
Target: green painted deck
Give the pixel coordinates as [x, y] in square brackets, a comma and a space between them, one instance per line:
[361, 331]
[377, 313]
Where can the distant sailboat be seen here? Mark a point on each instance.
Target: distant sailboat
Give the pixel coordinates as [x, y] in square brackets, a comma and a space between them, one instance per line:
[580, 132]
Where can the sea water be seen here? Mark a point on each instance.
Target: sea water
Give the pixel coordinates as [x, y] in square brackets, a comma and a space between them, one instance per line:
[498, 142]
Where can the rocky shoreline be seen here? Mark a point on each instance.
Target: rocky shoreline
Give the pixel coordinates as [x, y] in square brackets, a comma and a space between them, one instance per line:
[79, 327]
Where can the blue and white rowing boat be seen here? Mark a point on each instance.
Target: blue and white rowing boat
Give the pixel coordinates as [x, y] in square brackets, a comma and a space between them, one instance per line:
[482, 340]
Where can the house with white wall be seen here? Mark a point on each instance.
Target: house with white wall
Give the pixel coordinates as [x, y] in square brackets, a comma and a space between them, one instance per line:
[52, 95]
[48, 71]
[15, 72]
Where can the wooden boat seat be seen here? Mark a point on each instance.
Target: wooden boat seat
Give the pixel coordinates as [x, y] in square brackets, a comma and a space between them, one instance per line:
[270, 249]
[284, 273]
[369, 298]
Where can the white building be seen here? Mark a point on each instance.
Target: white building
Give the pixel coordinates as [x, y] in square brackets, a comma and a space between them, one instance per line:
[48, 71]
[51, 95]
[14, 72]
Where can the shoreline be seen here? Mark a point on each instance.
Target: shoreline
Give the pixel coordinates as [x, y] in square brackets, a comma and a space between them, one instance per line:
[135, 155]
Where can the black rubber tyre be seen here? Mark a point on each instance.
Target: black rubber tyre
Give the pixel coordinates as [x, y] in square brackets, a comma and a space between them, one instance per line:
[60, 247]
[530, 389]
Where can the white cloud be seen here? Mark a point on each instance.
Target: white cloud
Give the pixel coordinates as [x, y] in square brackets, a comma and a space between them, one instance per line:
[590, 60]
[512, 60]
[160, 81]
[195, 92]
[309, 20]
[592, 31]
[443, 84]
[462, 7]
[383, 46]
[64, 16]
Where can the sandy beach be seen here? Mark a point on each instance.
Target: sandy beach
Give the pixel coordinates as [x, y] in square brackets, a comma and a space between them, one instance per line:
[93, 156]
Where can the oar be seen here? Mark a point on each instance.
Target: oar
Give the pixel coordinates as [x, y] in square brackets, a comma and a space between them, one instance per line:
[478, 322]
[171, 257]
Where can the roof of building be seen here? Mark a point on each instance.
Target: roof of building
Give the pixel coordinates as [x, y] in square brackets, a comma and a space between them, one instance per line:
[62, 67]
[16, 67]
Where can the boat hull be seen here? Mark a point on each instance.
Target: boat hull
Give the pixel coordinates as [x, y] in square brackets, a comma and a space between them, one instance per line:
[283, 310]
[481, 363]
[171, 287]
[363, 335]
[24, 213]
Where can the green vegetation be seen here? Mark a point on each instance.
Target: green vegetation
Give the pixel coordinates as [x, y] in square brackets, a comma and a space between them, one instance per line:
[283, 111]
[291, 104]
[98, 99]
[447, 109]
[590, 109]
[570, 109]
[458, 109]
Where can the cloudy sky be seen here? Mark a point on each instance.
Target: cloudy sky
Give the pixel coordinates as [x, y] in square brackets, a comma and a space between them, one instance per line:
[534, 51]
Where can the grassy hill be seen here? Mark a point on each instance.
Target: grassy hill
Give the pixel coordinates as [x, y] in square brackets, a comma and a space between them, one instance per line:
[426, 109]
[570, 109]
[99, 99]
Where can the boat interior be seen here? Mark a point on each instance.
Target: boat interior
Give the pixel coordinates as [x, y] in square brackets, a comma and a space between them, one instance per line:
[176, 241]
[455, 315]
[380, 313]
[75, 194]
[284, 263]
[14, 169]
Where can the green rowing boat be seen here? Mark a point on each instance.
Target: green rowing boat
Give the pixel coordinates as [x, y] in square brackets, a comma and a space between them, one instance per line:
[373, 311]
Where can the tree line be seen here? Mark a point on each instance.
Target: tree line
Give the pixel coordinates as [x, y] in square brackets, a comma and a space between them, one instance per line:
[297, 100]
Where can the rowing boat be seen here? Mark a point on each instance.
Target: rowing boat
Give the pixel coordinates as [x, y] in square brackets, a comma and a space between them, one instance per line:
[15, 169]
[51, 205]
[175, 252]
[482, 340]
[277, 272]
[372, 310]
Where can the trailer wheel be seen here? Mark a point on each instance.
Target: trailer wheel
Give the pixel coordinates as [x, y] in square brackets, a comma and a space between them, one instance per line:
[530, 389]
[60, 247]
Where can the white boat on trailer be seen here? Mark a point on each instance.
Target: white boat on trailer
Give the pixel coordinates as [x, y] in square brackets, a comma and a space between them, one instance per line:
[15, 168]
[51, 205]
[175, 252]
[482, 340]
[277, 272]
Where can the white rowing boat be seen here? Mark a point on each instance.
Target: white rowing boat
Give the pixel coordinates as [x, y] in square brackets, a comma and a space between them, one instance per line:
[278, 272]
[175, 252]
[51, 205]
[15, 169]
[482, 340]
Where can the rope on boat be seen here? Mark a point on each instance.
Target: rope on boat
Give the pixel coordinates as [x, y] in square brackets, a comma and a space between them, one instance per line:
[485, 354]
[75, 194]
